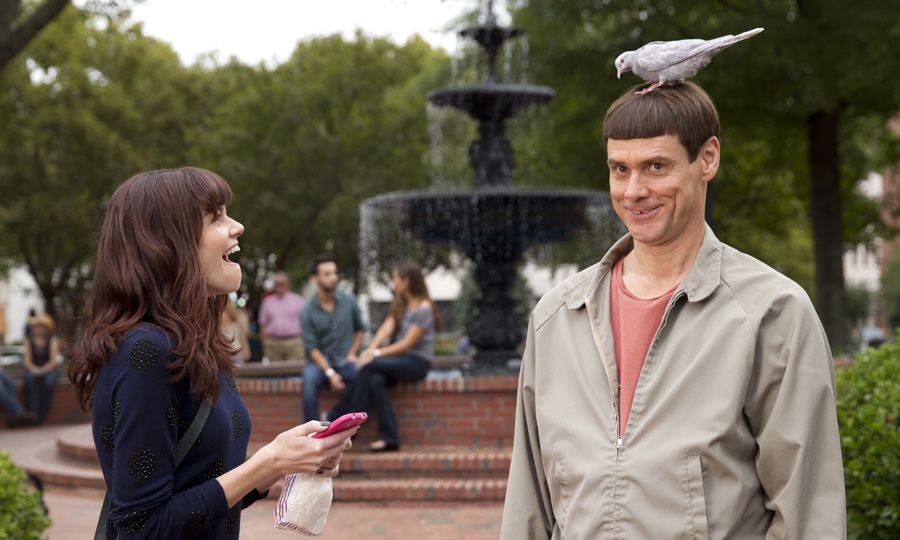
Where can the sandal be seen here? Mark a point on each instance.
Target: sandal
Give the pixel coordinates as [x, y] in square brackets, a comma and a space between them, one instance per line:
[381, 446]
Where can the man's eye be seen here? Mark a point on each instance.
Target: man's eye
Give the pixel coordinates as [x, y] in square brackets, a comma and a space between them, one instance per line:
[621, 169]
[656, 167]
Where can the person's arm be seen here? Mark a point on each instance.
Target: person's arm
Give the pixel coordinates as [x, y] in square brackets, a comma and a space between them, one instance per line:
[291, 452]
[421, 321]
[143, 441]
[383, 333]
[141, 454]
[413, 334]
[527, 512]
[353, 353]
[27, 360]
[359, 332]
[54, 356]
[263, 320]
[791, 411]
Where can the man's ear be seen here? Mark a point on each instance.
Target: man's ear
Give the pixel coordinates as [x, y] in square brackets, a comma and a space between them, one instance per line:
[709, 158]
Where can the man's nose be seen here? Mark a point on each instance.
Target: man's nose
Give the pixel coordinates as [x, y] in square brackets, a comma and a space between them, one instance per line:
[636, 187]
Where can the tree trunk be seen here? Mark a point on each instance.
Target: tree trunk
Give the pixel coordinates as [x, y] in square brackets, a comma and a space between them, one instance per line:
[828, 226]
[14, 39]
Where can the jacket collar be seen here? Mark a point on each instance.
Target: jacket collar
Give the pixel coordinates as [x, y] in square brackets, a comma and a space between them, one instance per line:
[701, 281]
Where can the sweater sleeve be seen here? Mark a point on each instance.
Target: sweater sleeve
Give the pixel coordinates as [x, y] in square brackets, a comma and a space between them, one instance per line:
[144, 437]
[252, 497]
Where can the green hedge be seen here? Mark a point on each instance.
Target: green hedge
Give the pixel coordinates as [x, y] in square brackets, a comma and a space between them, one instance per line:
[21, 514]
[868, 411]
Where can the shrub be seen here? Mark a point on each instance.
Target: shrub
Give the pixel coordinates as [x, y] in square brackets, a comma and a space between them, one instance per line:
[21, 513]
[868, 411]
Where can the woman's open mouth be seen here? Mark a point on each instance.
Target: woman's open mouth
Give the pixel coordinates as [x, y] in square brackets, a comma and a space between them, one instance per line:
[231, 251]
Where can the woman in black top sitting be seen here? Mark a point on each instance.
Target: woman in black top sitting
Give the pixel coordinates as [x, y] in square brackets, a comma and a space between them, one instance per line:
[410, 325]
[153, 351]
[39, 359]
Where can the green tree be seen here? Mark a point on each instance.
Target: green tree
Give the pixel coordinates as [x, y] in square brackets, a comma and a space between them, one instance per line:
[890, 291]
[304, 143]
[19, 25]
[90, 102]
[21, 21]
[803, 108]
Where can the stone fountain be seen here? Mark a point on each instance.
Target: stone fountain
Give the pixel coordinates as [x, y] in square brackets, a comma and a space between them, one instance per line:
[494, 223]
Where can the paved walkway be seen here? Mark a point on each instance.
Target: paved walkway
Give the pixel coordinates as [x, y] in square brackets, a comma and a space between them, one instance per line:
[75, 511]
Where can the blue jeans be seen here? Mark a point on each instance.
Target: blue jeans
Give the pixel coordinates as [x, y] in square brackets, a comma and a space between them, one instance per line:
[371, 389]
[313, 381]
[43, 385]
[9, 397]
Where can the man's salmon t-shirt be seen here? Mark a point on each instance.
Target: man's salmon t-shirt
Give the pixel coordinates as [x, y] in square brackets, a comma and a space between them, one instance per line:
[634, 324]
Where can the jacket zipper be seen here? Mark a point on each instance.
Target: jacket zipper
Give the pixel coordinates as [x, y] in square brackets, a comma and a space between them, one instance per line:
[659, 329]
[613, 385]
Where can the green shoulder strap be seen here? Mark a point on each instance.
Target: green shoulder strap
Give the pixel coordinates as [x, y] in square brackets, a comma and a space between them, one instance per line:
[185, 444]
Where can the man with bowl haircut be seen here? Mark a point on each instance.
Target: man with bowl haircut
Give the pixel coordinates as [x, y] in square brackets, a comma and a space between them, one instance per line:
[678, 388]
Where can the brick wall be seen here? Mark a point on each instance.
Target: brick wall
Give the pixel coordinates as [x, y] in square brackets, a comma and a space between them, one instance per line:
[472, 411]
[64, 407]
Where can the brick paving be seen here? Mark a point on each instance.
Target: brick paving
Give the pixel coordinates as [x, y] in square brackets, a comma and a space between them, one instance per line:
[75, 510]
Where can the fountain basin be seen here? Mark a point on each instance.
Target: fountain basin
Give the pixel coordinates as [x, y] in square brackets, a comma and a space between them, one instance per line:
[490, 102]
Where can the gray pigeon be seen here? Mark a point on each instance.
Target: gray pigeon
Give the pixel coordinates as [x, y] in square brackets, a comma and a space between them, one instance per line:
[661, 62]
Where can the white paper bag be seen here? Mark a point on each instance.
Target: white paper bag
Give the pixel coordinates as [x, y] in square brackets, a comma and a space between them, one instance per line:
[304, 504]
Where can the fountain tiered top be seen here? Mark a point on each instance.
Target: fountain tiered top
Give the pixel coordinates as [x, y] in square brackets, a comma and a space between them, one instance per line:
[492, 101]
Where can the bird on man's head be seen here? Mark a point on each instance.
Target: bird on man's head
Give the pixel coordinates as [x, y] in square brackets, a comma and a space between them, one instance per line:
[662, 62]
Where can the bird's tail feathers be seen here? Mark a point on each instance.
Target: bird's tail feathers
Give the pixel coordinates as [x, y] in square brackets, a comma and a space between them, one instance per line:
[716, 45]
[748, 34]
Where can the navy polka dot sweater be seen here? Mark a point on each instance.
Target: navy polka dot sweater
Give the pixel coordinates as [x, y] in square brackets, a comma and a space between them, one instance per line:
[138, 418]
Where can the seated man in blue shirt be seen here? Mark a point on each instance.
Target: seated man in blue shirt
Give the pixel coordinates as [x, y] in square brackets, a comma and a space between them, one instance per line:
[333, 330]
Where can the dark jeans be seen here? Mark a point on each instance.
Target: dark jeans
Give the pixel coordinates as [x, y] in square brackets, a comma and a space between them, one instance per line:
[313, 381]
[43, 385]
[370, 390]
[9, 396]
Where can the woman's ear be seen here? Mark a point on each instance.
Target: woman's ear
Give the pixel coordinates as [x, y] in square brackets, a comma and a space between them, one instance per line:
[709, 158]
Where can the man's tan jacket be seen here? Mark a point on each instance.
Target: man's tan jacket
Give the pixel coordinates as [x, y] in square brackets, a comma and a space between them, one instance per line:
[732, 432]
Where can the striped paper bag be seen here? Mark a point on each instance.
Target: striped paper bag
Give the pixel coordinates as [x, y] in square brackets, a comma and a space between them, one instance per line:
[304, 504]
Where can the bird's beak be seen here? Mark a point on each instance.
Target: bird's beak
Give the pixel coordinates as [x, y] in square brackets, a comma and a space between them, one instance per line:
[618, 73]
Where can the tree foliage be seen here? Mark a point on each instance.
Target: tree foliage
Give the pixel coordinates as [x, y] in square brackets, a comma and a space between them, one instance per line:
[819, 63]
[88, 104]
[93, 100]
[304, 143]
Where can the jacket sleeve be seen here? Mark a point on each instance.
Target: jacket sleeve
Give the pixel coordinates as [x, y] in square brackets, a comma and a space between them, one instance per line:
[791, 411]
[144, 437]
[527, 513]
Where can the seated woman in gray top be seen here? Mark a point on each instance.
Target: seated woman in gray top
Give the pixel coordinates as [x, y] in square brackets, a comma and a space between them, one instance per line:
[411, 326]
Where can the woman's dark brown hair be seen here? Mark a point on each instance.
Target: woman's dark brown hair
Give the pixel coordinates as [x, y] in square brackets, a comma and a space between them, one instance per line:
[148, 271]
[417, 288]
[684, 110]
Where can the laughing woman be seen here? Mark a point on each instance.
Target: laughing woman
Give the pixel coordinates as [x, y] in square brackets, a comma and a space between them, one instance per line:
[153, 355]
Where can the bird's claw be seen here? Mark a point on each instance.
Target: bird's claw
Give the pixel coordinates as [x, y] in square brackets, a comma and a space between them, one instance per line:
[649, 89]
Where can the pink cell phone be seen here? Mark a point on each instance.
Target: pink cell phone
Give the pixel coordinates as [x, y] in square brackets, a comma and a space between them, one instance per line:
[345, 422]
